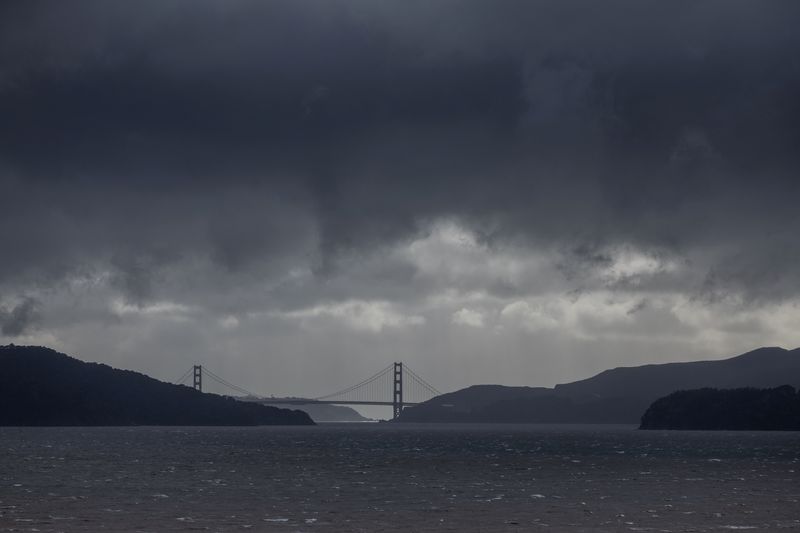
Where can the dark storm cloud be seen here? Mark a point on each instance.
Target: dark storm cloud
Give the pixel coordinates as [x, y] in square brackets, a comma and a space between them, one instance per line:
[148, 137]
[19, 318]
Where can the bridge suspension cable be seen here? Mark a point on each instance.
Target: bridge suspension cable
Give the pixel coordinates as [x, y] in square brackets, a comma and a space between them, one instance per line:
[228, 384]
[217, 379]
[396, 385]
[185, 375]
[365, 383]
[424, 385]
[379, 387]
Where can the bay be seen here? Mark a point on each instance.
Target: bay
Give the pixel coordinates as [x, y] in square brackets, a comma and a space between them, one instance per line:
[397, 477]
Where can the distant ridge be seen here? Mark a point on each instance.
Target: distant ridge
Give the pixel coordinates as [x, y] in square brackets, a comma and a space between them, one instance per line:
[617, 396]
[319, 412]
[760, 368]
[42, 387]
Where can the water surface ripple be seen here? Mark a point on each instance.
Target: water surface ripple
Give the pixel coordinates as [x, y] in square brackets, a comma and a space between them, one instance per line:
[386, 477]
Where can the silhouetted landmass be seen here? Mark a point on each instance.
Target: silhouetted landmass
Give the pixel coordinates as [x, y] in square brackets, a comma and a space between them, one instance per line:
[618, 396]
[732, 409]
[41, 387]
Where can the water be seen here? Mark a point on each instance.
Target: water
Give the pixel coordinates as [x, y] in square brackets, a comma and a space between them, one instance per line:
[385, 477]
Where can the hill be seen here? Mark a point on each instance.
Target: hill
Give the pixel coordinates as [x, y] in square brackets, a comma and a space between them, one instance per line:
[619, 396]
[731, 409]
[42, 387]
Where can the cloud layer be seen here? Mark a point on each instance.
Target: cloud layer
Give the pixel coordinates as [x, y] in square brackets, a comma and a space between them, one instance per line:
[560, 185]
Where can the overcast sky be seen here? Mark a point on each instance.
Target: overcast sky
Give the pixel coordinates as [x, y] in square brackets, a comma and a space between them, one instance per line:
[296, 193]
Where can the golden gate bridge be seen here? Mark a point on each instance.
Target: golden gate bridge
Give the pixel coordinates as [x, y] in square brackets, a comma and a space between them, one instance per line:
[396, 385]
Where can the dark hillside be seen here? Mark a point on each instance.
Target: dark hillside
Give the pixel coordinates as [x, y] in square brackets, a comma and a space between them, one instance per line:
[764, 367]
[470, 404]
[728, 409]
[41, 387]
[618, 396]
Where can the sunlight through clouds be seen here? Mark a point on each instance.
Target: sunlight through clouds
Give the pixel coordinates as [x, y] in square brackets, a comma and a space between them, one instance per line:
[360, 315]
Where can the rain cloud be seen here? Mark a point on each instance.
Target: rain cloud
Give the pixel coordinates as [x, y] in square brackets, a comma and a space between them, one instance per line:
[527, 191]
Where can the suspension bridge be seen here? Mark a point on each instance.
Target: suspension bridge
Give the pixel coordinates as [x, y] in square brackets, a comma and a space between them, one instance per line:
[396, 385]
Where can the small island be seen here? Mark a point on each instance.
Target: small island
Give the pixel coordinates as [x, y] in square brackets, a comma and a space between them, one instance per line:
[726, 409]
[42, 387]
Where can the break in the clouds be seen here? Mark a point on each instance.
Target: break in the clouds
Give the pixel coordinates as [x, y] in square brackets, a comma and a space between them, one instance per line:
[520, 192]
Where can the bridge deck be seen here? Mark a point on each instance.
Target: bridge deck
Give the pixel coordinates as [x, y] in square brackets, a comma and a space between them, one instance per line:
[268, 401]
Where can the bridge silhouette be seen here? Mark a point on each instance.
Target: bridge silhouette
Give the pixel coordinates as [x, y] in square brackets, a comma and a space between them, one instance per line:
[396, 385]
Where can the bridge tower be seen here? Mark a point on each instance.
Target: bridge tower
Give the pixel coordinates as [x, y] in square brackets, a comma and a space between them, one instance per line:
[397, 395]
[198, 377]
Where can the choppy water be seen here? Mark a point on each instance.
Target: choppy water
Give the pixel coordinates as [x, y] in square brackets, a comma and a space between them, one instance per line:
[383, 477]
